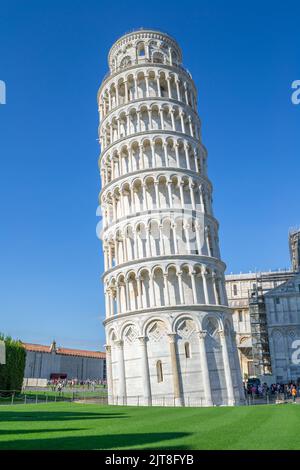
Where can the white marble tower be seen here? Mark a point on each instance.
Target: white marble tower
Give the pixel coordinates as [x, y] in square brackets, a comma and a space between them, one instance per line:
[169, 330]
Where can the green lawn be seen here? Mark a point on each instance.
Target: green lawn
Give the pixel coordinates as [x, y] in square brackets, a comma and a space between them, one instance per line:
[78, 426]
[49, 395]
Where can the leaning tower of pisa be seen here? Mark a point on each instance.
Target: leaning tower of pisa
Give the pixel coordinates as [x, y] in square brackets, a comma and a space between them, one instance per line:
[169, 333]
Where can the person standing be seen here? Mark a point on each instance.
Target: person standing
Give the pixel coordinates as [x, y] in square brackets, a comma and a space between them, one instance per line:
[294, 394]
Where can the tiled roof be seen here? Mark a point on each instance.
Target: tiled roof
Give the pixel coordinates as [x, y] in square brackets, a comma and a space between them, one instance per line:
[64, 351]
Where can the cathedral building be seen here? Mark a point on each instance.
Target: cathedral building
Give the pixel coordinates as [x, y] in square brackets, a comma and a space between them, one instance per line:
[266, 319]
[245, 292]
[294, 244]
[44, 362]
[283, 319]
[169, 330]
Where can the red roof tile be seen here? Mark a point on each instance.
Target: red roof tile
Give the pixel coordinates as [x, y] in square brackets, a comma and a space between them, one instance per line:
[64, 351]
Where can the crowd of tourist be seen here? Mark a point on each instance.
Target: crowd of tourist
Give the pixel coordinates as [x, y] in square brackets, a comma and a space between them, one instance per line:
[258, 390]
[59, 384]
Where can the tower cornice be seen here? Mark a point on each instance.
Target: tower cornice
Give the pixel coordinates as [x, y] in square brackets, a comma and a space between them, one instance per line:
[140, 66]
[162, 170]
[149, 133]
[201, 259]
[169, 310]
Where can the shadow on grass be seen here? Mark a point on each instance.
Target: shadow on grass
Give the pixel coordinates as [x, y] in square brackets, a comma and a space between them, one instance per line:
[99, 442]
[12, 432]
[19, 416]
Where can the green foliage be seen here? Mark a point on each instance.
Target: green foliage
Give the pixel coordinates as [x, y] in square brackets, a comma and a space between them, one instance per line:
[12, 373]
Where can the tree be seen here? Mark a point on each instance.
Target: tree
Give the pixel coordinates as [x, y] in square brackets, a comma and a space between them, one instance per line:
[12, 373]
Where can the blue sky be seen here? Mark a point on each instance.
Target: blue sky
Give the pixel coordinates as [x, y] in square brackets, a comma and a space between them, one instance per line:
[243, 57]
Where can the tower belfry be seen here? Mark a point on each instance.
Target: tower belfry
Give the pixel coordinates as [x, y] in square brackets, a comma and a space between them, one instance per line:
[294, 245]
[169, 330]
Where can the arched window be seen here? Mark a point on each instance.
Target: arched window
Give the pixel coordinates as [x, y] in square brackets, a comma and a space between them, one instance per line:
[158, 58]
[187, 350]
[159, 372]
[141, 50]
[174, 57]
[125, 62]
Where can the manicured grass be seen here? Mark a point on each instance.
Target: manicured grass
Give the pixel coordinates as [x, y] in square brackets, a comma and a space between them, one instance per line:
[78, 426]
[99, 392]
[49, 395]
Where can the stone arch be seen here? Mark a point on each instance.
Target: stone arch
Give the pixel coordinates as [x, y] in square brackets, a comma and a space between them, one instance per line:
[200, 296]
[155, 247]
[187, 284]
[126, 61]
[132, 289]
[141, 232]
[144, 275]
[121, 282]
[129, 332]
[188, 325]
[158, 57]
[168, 236]
[140, 49]
[173, 284]
[112, 335]
[157, 327]
[159, 286]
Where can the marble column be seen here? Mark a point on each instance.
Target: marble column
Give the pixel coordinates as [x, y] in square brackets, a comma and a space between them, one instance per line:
[145, 371]
[182, 122]
[191, 186]
[140, 293]
[187, 157]
[127, 295]
[161, 112]
[107, 303]
[121, 372]
[175, 369]
[145, 205]
[158, 87]
[177, 154]
[169, 87]
[105, 258]
[118, 299]
[198, 239]
[181, 194]
[167, 292]
[110, 388]
[227, 368]
[153, 154]
[172, 111]
[175, 238]
[205, 289]
[216, 294]
[181, 294]
[178, 90]
[204, 369]
[194, 290]
[169, 185]
[147, 85]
